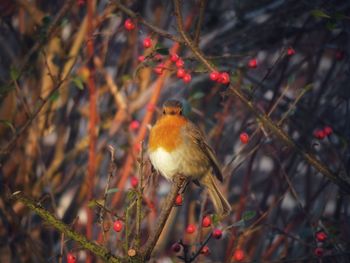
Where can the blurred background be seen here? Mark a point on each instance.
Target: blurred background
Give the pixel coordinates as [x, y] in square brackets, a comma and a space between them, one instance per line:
[73, 83]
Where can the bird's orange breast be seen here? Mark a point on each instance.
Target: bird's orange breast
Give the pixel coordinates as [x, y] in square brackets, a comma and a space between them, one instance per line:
[166, 133]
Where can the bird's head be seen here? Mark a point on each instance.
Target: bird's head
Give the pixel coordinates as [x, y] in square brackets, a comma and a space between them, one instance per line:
[172, 107]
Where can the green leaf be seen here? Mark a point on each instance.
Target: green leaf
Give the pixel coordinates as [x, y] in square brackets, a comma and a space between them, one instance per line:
[54, 96]
[339, 16]
[158, 46]
[216, 219]
[240, 223]
[14, 73]
[247, 215]
[131, 195]
[46, 21]
[163, 51]
[331, 25]
[78, 82]
[309, 87]
[8, 124]
[319, 14]
[198, 95]
[95, 202]
[112, 191]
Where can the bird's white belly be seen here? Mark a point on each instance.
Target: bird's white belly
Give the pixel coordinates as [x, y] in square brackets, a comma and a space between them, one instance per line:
[166, 163]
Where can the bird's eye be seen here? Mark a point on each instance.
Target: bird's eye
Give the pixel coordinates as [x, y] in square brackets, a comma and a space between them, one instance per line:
[164, 112]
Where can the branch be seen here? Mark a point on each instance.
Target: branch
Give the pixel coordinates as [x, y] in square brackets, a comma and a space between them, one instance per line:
[152, 27]
[50, 32]
[9, 146]
[63, 228]
[265, 120]
[197, 33]
[187, 39]
[179, 182]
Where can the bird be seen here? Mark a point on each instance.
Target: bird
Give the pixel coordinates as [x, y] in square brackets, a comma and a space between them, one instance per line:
[177, 146]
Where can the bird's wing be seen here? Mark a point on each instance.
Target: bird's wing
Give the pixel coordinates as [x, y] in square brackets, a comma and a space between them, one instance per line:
[194, 135]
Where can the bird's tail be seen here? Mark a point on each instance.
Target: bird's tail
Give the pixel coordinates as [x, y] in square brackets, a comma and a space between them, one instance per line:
[221, 205]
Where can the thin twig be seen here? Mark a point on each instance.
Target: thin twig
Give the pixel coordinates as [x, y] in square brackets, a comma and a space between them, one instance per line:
[139, 200]
[202, 4]
[111, 172]
[10, 145]
[49, 33]
[187, 39]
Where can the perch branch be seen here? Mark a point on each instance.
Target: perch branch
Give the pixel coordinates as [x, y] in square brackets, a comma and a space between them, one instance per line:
[179, 182]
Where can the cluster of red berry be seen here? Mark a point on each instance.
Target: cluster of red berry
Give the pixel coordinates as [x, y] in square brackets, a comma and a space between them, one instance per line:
[322, 133]
[217, 233]
[181, 73]
[220, 77]
[321, 237]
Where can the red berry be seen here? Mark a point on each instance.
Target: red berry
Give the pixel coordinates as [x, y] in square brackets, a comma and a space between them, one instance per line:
[339, 55]
[319, 251]
[180, 73]
[319, 134]
[147, 42]
[217, 233]
[238, 255]
[180, 63]
[151, 107]
[134, 125]
[206, 222]
[81, 2]
[187, 78]
[244, 137]
[71, 258]
[141, 58]
[174, 57]
[205, 251]
[158, 57]
[118, 226]
[176, 247]
[191, 228]
[159, 69]
[321, 236]
[214, 75]
[129, 24]
[178, 200]
[224, 78]
[290, 51]
[253, 63]
[134, 181]
[328, 130]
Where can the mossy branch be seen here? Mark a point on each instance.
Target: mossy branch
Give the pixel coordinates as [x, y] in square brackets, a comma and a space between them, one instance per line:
[63, 228]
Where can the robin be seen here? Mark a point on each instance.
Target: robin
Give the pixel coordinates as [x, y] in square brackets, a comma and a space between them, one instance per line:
[177, 146]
